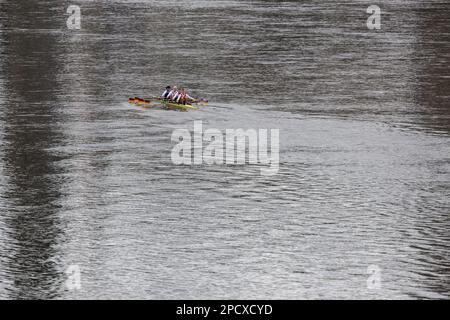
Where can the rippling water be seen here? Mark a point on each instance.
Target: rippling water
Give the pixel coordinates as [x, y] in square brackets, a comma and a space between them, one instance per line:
[87, 180]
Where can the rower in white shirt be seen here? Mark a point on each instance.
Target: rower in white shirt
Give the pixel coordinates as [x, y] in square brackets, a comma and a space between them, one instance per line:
[172, 94]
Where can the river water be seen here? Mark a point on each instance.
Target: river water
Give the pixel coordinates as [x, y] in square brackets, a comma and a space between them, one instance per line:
[360, 205]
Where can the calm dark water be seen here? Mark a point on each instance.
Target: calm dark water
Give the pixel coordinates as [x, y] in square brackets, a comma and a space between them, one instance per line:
[87, 180]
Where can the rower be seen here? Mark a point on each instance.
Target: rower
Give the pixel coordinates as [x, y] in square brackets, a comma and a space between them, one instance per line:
[172, 94]
[166, 92]
[184, 97]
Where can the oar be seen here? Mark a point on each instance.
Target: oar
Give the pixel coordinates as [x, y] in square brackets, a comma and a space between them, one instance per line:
[153, 98]
[200, 101]
[138, 100]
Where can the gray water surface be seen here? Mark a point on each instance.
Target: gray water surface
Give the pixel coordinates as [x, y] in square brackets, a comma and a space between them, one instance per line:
[87, 180]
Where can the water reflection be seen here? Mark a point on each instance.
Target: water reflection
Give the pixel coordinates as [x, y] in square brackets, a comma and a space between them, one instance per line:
[433, 64]
[31, 218]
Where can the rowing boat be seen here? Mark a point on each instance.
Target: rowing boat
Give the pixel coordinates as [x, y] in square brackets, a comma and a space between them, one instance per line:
[169, 105]
[202, 102]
